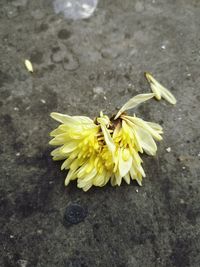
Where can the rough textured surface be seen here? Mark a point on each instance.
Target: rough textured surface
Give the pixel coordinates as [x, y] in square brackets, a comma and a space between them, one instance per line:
[80, 68]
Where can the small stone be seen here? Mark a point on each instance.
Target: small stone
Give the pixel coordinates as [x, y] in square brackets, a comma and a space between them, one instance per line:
[168, 149]
[18, 154]
[137, 190]
[11, 12]
[22, 263]
[98, 90]
[43, 101]
[139, 7]
[16, 108]
[37, 14]
[70, 63]
[74, 214]
[183, 167]
[198, 154]
[11, 236]
[163, 47]
[109, 53]
[58, 56]
[182, 201]
[19, 3]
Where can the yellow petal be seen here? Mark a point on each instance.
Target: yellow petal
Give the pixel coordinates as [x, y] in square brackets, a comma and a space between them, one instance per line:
[146, 126]
[160, 90]
[28, 65]
[66, 119]
[133, 102]
[108, 139]
[127, 178]
[146, 141]
[157, 127]
[124, 165]
[69, 147]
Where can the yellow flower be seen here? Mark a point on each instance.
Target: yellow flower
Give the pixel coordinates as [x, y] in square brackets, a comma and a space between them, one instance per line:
[95, 152]
[81, 145]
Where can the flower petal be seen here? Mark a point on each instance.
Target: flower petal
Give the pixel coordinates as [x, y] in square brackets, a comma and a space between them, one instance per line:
[124, 164]
[146, 126]
[133, 102]
[160, 90]
[107, 136]
[146, 141]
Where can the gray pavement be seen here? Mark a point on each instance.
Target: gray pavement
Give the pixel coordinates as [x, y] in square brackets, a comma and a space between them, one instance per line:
[81, 67]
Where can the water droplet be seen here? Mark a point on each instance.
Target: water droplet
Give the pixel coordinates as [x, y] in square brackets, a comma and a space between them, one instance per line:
[76, 9]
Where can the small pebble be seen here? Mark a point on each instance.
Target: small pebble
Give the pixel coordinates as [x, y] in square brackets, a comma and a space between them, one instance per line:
[43, 101]
[16, 108]
[98, 90]
[11, 11]
[18, 154]
[37, 14]
[163, 47]
[183, 167]
[168, 149]
[137, 190]
[22, 263]
[19, 3]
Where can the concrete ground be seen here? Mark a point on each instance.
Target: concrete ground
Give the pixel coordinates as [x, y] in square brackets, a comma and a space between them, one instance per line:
[80, 68]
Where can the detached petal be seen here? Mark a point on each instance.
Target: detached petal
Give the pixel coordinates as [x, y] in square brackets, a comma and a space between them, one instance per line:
[159, 90]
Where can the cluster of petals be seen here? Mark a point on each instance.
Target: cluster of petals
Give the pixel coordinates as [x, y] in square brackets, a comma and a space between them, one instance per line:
[107, 149]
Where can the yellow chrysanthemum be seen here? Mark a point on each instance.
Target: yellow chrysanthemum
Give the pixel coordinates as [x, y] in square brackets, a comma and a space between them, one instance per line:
[95, 152]
[83, 148]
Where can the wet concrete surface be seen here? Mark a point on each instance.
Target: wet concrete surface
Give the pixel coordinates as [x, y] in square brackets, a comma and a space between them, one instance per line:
[80, 68]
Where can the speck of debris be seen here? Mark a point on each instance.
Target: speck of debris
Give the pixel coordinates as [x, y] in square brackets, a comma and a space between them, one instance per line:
[137, 190]
[18, 154]
[183, 167]
[168, 149]
[16, 108]
[43, 101]
[98, 90]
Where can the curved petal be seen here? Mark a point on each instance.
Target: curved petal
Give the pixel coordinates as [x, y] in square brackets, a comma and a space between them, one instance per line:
[133, 102]
[160, 90]
[146, 141]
